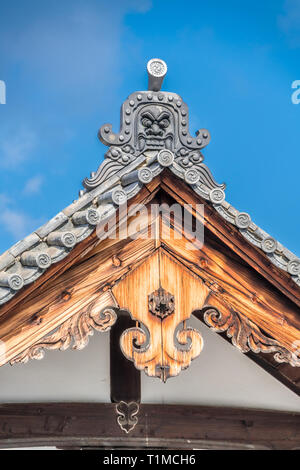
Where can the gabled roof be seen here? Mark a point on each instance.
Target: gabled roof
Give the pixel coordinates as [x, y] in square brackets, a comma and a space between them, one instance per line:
[65, 305]
[121, 176]
[153, 151]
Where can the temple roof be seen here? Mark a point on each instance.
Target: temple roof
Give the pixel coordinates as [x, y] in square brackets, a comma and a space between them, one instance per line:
[136, 155]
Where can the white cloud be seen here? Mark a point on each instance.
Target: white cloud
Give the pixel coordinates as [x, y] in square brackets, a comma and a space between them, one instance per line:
[33, 185]
[142, 6]
[70, 56]
[80, 51]
[289, 21]
[15, 149]
[4, 201]
[15, 222]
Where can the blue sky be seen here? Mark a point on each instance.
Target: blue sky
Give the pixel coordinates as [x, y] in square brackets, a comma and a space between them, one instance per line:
[69, 65]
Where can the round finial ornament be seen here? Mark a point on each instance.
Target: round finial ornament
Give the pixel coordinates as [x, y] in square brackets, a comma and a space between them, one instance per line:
[157, 67]
[165, 158]
[243, 220]
[43, 260]
[217, 196]
[191, 176]
[294, 267]
[15, 281]
[119, 197]
[145, 175]
[269, 245]
[92, 216]
[68, 239]
[157, 70]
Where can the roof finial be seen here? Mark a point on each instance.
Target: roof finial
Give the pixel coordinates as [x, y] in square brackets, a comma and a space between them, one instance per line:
[157, 70]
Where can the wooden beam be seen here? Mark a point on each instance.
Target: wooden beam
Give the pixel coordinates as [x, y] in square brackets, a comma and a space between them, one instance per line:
[231, 236]
[160, 426]
[75, 256]
[60, 297]
[125, 379]
[249, 293]
[235, 283]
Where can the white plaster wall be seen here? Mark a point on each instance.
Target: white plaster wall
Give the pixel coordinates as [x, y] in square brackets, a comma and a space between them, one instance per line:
[220, 376]
[61, 376]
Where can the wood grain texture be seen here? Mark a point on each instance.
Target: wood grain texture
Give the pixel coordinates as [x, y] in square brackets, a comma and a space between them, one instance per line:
[238, 286]
[97, 315]
[27, 341]
[244, 334]
[239, 275]
[232, 238]
[152, 345]
[80, 250]
[94, 425]
[66, 295]
[215, 263]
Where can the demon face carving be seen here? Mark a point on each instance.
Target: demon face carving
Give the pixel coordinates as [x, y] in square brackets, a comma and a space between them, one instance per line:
[155, 128]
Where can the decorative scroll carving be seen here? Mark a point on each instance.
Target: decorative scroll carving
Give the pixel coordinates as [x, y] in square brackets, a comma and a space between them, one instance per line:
[247, 336]
[127, 415]
[161, 303]
[163, 350]
[161, 344]
[76, 330]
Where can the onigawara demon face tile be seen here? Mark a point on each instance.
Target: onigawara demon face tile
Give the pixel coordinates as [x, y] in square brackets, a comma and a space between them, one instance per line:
[155, 128]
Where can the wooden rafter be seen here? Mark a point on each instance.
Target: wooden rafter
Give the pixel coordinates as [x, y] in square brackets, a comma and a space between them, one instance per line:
[65, 295]
[231, 237]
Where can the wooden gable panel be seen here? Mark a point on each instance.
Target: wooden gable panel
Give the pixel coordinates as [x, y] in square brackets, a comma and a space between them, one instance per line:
[232, 280]
[183, 292]
[95, 269]
[229, 234]
[239, 286]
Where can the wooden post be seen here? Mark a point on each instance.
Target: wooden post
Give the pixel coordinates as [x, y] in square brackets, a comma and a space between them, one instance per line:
[125, 379]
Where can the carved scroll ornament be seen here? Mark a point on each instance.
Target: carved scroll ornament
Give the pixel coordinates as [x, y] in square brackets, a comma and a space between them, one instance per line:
[247, 336]
[147, 349]
[76, 330]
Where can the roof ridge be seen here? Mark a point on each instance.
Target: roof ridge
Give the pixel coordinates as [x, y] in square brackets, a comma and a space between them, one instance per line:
[154, 134]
